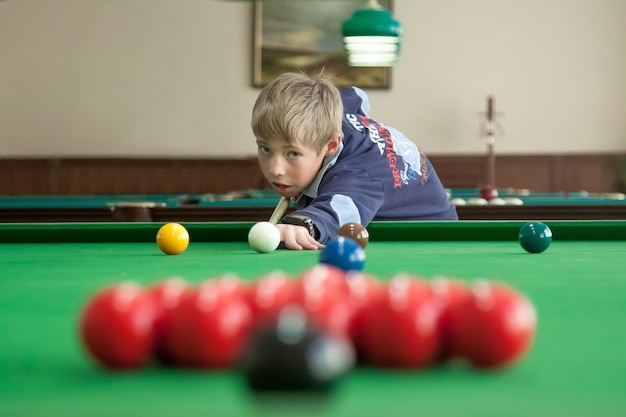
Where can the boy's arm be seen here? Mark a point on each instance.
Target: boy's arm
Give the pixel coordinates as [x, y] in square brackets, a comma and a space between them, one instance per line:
[346, 196]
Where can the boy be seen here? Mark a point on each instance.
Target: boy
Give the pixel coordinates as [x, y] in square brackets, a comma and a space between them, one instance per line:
[318, 145]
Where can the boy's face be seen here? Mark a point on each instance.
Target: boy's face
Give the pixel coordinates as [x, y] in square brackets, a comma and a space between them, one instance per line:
[291, 168]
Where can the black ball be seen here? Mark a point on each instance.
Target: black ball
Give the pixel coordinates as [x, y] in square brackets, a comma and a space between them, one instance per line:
[290, 354]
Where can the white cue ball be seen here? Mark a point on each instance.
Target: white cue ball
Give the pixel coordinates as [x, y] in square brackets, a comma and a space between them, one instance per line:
[264, 237]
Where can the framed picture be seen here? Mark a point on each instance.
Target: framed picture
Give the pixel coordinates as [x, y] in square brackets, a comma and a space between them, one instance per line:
[306, 36]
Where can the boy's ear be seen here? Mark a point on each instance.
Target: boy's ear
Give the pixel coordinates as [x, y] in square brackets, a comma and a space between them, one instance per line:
[333, 145]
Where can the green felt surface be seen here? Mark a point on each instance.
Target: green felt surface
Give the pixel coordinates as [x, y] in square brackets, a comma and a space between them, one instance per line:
[576, 367]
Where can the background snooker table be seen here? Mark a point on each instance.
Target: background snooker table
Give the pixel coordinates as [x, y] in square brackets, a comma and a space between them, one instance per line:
[255, 205]
[577, 366]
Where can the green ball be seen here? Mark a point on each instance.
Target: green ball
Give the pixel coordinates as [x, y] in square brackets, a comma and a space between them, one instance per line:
[535, 237]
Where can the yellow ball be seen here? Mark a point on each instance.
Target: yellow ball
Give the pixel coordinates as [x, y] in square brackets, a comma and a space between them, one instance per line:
[172, 238]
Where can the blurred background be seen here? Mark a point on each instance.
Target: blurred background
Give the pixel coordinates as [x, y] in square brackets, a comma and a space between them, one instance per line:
[155, 96]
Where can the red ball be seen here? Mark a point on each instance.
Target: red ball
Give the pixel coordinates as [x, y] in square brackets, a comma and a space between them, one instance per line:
[325, 276]
[496, 325]
[268, 295]
[116, 326]
[489, 192]
[166, 295]
[363, 289]
[400, 325]
[323, 293]
[450, 295]
[209, 326]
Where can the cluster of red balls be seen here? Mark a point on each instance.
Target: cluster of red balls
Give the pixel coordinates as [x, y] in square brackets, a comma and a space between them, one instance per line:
[404, 322]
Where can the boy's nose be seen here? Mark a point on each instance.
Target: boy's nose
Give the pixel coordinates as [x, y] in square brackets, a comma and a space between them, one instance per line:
[277, 167]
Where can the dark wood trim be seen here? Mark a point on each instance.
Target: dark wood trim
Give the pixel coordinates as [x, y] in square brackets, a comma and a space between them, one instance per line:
[55, 215]
[544, 212]
[254, 214]
[528, 212]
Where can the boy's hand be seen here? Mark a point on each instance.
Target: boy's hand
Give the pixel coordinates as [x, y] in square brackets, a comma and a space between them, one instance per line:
[297, 237]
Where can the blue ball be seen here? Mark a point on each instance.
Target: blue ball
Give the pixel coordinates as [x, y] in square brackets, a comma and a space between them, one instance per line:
[343, 253]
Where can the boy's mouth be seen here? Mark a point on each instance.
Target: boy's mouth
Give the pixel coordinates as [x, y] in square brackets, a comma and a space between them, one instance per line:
[281, 188]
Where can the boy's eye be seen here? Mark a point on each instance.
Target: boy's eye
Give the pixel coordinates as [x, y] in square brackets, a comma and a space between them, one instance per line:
[293, 154]
[264, 149]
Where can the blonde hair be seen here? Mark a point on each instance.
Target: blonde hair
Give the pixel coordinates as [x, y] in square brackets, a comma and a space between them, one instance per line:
[299, 109]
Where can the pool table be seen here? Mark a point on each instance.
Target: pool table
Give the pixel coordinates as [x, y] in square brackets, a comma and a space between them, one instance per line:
[255, 205]
[576, 367]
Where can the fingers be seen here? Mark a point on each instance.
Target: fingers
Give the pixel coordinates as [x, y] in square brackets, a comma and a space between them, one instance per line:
[310, 244]
[297, 238]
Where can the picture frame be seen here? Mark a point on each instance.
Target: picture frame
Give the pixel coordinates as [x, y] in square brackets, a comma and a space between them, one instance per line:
[306, 36]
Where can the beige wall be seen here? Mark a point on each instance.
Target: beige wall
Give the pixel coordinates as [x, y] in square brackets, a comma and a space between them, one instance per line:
[172, 77]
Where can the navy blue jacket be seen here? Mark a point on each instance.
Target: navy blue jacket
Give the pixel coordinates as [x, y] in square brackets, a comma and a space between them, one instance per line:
[378, 174]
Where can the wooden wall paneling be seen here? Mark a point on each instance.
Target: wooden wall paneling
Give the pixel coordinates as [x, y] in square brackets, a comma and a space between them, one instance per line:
[84, 176]
[154, 176]
[465, 172]
[89, 176]
[556, 165]
[23, 176]
[582, 173]
[533, 172]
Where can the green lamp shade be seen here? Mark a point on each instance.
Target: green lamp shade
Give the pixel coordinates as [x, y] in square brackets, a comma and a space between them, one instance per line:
[372, 38]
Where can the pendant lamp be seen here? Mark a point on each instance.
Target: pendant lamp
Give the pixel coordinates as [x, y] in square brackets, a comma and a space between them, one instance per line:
[372, 37]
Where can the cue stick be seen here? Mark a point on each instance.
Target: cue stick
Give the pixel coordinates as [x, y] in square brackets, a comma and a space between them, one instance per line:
[280, 209]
